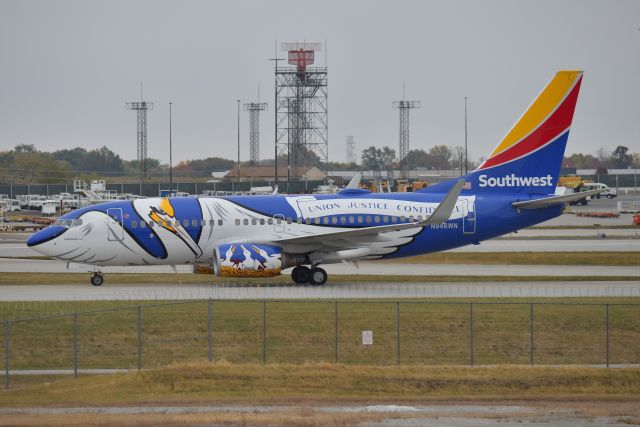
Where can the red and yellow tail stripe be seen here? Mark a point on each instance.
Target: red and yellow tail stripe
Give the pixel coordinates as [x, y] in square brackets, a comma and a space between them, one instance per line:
[548, 117]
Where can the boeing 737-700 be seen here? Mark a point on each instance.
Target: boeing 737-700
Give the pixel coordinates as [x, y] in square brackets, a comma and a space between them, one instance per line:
[259, 236]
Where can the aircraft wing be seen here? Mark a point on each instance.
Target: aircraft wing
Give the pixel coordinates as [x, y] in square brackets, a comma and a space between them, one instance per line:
[359, 236]
[554, 200]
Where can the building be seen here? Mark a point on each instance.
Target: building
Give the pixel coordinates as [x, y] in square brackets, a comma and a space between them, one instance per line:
[267, 173]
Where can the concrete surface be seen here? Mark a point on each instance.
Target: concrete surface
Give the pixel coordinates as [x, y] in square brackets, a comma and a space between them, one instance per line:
[108, 292]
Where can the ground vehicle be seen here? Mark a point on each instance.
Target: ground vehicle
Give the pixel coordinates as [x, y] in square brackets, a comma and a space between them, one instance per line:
[574, 184]
[607, 192]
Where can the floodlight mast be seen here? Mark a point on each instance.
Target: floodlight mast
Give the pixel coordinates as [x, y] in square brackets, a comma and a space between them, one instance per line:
[254, 109]
[404, 107]
[141, 147]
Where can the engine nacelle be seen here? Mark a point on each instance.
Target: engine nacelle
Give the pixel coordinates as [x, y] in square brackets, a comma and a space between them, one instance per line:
[248, 260]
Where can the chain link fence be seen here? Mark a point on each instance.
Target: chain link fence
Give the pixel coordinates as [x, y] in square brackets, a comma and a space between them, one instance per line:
[349, 332]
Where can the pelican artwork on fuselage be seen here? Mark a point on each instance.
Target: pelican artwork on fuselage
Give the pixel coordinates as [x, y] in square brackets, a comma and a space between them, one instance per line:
[259, 236]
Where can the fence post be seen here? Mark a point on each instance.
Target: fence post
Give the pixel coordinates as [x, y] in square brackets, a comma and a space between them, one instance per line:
[75, 345]
[264, 331]
[7, 337]
[209, 330]
[471, 334]
[398, 331]
[606, 331]
[139, 336]
[531, 332]
[336, 335]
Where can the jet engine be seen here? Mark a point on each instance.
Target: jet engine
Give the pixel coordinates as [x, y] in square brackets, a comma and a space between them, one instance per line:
[252, 260]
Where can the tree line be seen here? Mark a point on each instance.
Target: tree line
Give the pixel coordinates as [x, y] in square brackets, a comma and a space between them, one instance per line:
[26, 164]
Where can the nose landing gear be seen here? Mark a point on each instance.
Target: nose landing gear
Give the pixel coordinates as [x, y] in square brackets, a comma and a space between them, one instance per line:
[97, 279]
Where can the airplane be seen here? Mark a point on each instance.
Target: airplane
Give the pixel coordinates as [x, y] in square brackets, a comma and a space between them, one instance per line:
[259, 236]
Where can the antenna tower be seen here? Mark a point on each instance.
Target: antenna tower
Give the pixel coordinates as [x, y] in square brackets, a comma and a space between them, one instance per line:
[254, 109]
[141, 109]
[301, 107]
[350, 156]
[404, 107]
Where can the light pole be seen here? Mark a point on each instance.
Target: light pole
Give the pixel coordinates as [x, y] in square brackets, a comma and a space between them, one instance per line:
[466, 171]
[170, 154]
[238, 187]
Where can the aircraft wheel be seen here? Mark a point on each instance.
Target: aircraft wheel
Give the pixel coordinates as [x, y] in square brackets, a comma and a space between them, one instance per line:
[301, 274]
[97, 279]
[318, 276]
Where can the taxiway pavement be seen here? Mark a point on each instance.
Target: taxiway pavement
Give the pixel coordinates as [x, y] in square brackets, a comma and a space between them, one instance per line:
[329, 291]
[364, 268]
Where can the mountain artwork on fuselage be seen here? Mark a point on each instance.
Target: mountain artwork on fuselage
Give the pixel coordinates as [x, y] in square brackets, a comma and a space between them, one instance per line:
[259, 236]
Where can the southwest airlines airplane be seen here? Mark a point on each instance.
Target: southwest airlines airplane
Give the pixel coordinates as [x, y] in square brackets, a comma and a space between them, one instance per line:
[259, 236]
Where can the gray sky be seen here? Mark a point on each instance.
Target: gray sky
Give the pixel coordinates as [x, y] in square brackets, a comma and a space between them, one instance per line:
[68, 67]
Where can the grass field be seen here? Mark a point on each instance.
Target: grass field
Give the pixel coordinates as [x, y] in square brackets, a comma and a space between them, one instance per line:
[204, 382]
[432, 332]
[528, 258]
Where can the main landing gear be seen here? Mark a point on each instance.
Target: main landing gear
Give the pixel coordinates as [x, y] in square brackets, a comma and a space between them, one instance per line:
[97, 279]
[314, 276]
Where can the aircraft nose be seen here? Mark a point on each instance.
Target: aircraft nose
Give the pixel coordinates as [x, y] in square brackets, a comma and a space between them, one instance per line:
[36, 240]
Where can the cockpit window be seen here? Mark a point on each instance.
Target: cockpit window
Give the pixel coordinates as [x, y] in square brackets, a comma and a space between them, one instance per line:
[68, 223]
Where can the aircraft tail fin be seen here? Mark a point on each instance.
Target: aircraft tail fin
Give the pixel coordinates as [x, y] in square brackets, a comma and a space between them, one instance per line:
[529, 157]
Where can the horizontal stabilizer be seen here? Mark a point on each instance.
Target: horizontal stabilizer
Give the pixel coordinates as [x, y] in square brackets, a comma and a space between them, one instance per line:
[554, 200]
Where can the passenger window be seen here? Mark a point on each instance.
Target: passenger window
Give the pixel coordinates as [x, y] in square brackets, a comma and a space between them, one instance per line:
[359, 219]
[307, 221]
[278, 221]
[411, 218]
[403, 219]
[343, 220]
[185, 222]
[220, 222]
[270, 221]
[334, 220]
[246, 221]
[376, 219]
[385, 219]
[394, 219]
[194, 223]
[316, 221]
[289, 221]
[352, 219]
[261, 221]
[143, 224]
[254, 221]
[368, 219]
[134, 224]
[419, 218]
[212, 222]
[325, 220]
[203, 222]
[299, 220]
[237, 222]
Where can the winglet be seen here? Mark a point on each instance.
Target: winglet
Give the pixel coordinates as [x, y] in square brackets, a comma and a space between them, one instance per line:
[446, 206]
[355, 181]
